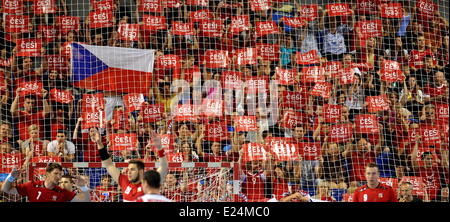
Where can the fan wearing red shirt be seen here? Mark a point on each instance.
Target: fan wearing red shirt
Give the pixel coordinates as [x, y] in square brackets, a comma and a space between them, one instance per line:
[131, 183]
[359, 157]
[47, 190]
[416, 56]
[87, 142]
[374, 191]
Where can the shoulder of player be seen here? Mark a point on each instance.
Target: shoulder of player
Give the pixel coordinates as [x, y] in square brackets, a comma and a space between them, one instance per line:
[361, 188]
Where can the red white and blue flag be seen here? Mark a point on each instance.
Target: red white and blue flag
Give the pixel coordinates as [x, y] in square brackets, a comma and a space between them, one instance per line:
[112, 68]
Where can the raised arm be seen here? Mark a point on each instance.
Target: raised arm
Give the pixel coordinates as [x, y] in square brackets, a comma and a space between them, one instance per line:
[84, 195]
[163, 164]
[106, 159]
[7, 185]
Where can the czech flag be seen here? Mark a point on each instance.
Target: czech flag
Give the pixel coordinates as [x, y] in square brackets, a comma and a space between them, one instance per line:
[124, 70]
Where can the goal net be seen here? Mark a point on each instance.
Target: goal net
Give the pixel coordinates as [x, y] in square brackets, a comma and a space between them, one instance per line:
[259, 100]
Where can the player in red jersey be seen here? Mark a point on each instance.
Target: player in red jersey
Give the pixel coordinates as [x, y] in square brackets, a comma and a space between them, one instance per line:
[47, 190]
[151, 184]
[131, 183]
[254, 181]
[374, 191]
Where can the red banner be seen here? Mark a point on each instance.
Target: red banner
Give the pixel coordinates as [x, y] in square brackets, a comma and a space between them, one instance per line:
[167, 141]
[341, 133]
[29, 47]
[338, 9]
[174, 157]
[246, 56]
[216, 131]
[93, 102]
[270, 52]
[46, 159]
[152, 112]
[128, 32]
[232, 80]
[33, 88]
[334, 68]
[295, 22]
[185, 112]
[10, 161]
[285, 151]
[12, 6]
[286, 76]
[211, 28]
[240, 23]
[17, 23]
[172, 3]
[245, 123]
[93, 119]
[260, 5]
[257, 84]
[441, 110]
[391, 71]
[169, 62]
[295, 100]
[391, 10]
[180, 28]
[266, 28]
[308, 58]
[44, 6]
[377, 103]
[426, 7]
[431, 135]
[417, 184]
[366, 123]
[369, 28]
[291, 119]
[392, 182]
[123, 141]
[309, 12]
[367, 7]
[150, 6]
[212, 107]
[104, 5]
[151, 22]
[133, 101]
[322, 89]
[216, 58]
[254, 152]
[198, 2]
[310, 151]
[313, 74]
[100, 19]
[331, 113]
[347, 76]
[61, 96]
[57, 62]
[200, 15]
[68, 23]
[49, 32]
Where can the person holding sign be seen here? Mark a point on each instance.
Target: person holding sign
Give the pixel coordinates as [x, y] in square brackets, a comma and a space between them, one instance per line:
[131, 184]
[47, 190]
[374, 191]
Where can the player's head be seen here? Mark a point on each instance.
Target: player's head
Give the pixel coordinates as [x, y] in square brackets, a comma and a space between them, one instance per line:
[135, 171]
[66, 182]
[53, 173]
[372, 173]
[406, 189]
[151, 180]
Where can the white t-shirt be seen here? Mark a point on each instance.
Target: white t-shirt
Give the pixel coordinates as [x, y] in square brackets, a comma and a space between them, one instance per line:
[69, 147]
[153, 198]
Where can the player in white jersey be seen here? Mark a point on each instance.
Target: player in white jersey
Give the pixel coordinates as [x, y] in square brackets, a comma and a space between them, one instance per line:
[151, 184]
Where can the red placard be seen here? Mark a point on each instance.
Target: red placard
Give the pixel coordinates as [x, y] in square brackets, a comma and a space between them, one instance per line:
[240, 23]
[151, 22]
[123, 141]
[212, 107]
[338, 9]
[93, 102]
[295, 22]
[44, 6]
[322, 89]
[377, 103]
[391, 10]
[341, 133]
[172, 3]
[211, 28]
[104, 5]
[272, 141]
[309, 12]
[246, 56]
[169, 62]
[426, 8]
[266, 28]
[431, 135]
[286, 76]
[334, 68]
[100, 19]
[57, 62]
[392, 182]
[93, 119]
[29, 47]
[368, 29]
[417, 184]
[367, 7]
[331, 113]
[391, 71]
[216, 58]
[167, 141]
[198, 2]
[260, 5]
[200, 15]
[32, 87]
[10, 161]
[269, 52]
[49, 32]
[285, 151]
[257, 84]
[254, 152]
[245, 123]
[68, 23]
[128, 32]
[46, 159]
[295, 100]
[150, 6]
[12, 6]
[441, 110]
[308, 58]
[291, 119]
[232, 79]
[133, 101]
[347, 76]
[313, 74]
[184, 112]
[61, 96]
[17, 23]
[310, 151]
[175, 157]
[366, 123]
[180, 28]
[152, 112]
[216, 131]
